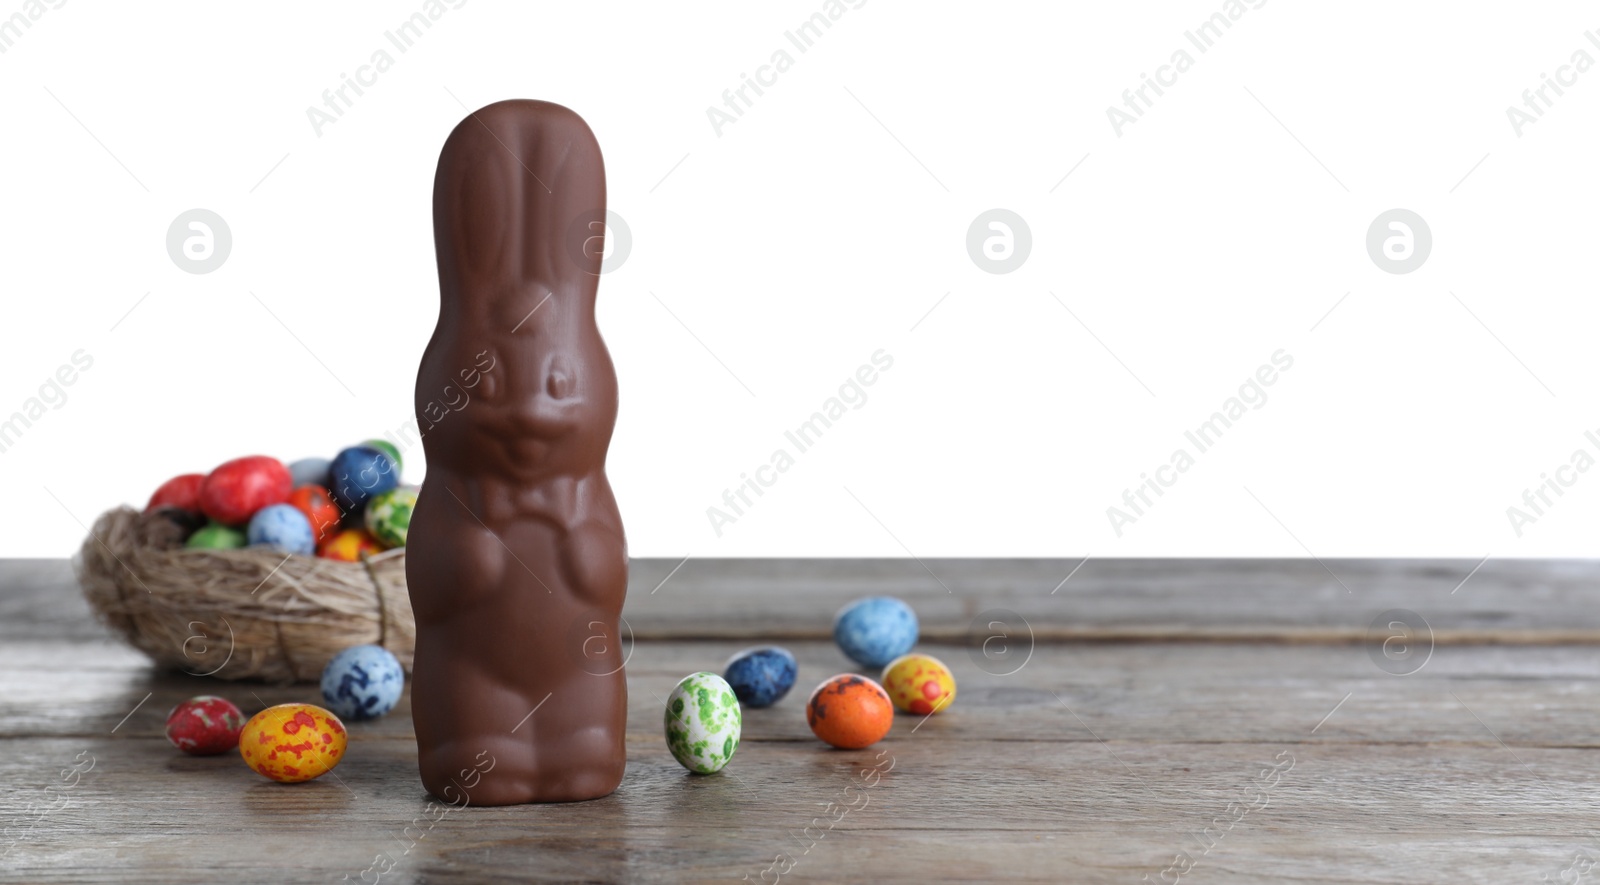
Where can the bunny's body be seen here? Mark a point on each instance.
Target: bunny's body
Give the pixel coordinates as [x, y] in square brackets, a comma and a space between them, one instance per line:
[516, 561]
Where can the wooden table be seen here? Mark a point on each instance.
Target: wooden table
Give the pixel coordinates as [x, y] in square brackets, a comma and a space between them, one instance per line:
[1209, 721]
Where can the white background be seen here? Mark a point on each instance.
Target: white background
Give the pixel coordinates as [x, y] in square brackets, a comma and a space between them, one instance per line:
[822, 227]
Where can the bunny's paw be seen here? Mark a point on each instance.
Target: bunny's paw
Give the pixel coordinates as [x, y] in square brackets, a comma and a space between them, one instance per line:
[595, 561]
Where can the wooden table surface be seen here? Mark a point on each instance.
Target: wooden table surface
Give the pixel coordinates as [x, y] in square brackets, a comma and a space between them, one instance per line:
[1154, 720]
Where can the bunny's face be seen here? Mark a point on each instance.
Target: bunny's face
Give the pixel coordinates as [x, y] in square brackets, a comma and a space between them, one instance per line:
[548, 406]
[510, 286]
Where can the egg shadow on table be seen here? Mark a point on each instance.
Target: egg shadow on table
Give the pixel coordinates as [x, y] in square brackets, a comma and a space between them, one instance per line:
[269, 800]
[715, 801]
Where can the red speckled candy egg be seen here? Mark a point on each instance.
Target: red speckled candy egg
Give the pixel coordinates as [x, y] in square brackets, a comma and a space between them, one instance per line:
[291, 743]
[236, 490]
[205, 725]
[850, 711]
[919, 684]
[182, 492]
[315, 502]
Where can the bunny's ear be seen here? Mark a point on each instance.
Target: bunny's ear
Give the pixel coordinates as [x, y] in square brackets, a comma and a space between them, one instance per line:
[517, 185]
[473, 214]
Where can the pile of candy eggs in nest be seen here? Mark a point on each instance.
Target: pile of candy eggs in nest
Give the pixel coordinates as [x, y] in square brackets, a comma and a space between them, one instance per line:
[344, 508]
[704, 712]
[294, 742]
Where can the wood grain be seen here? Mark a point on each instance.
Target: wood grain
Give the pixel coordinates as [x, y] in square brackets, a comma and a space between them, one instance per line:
[1266, 600]
[1098, 761]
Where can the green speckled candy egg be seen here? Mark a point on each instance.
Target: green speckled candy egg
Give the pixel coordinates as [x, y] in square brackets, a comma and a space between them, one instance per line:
[703, 722]
[388, 516]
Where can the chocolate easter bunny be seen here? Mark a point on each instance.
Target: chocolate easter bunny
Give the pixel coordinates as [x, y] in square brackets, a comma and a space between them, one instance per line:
[515, 559]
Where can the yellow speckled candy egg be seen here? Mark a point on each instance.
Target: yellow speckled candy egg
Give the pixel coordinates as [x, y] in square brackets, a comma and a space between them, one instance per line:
[919, 684]
[293, 742]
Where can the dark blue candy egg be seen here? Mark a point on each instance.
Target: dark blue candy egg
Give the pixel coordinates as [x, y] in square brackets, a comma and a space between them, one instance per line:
[761, 675]
[358, 473]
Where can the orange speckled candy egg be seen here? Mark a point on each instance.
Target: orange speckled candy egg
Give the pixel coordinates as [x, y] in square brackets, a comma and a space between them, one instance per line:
[317, 505]
[292, 742]
[919, 684]
[850, 711]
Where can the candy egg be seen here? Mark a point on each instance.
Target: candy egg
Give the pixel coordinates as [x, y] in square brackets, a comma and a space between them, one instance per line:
[702, 722]
[761, 675]
[283, 527]
[184, 524]
[363, 682]
[348, 545]
[309, 472]
[216, 536]
[919, 684]
[358, 473]
[388, 448]
[182, 492]
[850, 712]
[233, 492]
[317, 504]
[205, 725]
[875, 630]
[388, 515]
[293, 742]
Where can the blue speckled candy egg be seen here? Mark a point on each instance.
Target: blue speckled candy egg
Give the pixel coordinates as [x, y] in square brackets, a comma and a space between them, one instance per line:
[282, 526]
[362, 682]
[875, 630]
[702, 722]
[310, 472]
[761, 675]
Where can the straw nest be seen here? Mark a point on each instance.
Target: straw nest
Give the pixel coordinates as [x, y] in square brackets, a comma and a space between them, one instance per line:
[251, 613]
